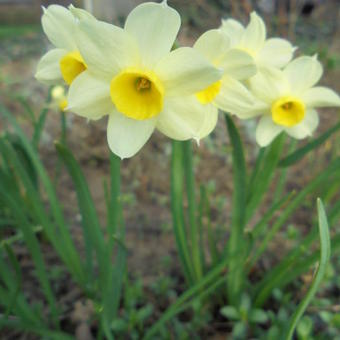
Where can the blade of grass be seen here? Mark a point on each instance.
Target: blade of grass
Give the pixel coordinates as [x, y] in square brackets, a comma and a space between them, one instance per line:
[325, 253]
[93, 235]
[34, 249]
[71, 253]
[37, 209]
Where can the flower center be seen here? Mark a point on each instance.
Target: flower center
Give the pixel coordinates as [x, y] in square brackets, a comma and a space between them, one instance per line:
[207, 95]
[71, 65]
[288, 111]
[137, 93]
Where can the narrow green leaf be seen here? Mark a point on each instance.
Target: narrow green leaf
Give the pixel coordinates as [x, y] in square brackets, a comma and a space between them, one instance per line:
[190, 186]
[292, 206]
[39, 127]
[264, 176]
[70, 253]
[177, 179]
[93, 235]
[111, 294]
[301, 152]
[236, 242]
[325, 253]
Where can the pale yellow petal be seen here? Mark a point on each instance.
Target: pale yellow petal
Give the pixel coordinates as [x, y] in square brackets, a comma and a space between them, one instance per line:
[155, 27]
[59, 25]
[127, 136]
[236, 99]
[254, 35]
[303, 73]
[234, 31]
[48, 69]
[185, 118]
[320, 97]
[213, 44]
[276, 52]
[238, 64]
[306, 127]
[267, 130]
[184, 72]
[269, 84]
[106, 48]
[89, 96]
[80, 13]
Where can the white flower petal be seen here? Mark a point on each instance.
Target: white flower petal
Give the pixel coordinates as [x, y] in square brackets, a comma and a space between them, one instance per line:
[184, 72]
[233, 29]
[306, 127]
[269, 84]
[238, 64]
[106, 48]
[59, 25]
[126, 136]
[80, 13]
[184, 118]
[48, 69]
[266, 130]
[303, 73]
[276, 52]
[213, 44]
[211, 117]
[89, 96]
[236, 99]
[320, 97]
[155, 27]
[254, 35]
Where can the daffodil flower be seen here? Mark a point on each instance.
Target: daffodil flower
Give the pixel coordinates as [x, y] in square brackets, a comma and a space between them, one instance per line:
[58, 98]
[290, 99]
[134, 78]
[228, 93]
[274, 52]
[63, 63]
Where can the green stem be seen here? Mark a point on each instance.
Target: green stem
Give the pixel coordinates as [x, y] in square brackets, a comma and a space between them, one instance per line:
[177, 177]
[194, 230]
[111, 292]
[236, 245]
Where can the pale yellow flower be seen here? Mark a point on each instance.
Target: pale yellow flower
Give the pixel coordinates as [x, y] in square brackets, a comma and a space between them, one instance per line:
[290, 98]
[58, 98]
[273, 52]
[63, 63]
[133, 77]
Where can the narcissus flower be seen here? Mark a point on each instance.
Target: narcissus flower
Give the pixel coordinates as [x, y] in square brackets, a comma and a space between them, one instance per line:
[228, 93]
[290, 99]
[63, 62]
[133, 77]
[274, 52]
[58, 98]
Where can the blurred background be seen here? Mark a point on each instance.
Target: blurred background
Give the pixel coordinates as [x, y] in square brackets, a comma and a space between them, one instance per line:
[313, 25]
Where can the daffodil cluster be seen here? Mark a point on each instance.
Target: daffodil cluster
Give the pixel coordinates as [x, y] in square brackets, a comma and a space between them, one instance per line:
[135, 77]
